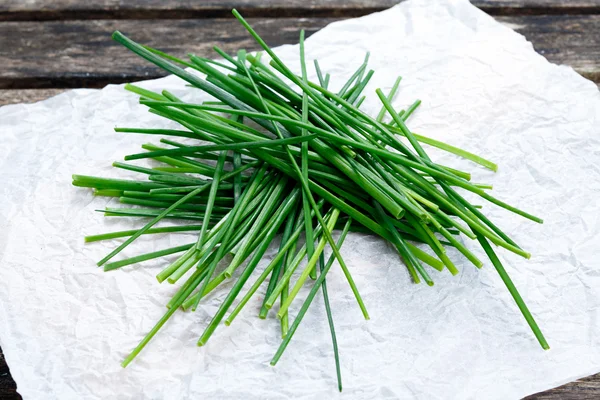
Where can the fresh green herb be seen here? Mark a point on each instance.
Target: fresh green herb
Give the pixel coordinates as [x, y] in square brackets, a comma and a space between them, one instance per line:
[288, 155]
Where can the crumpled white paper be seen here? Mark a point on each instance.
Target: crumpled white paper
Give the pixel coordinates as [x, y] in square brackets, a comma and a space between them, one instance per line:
[66, 325]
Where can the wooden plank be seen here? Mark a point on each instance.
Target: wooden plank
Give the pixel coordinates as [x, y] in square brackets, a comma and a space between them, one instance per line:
[67, 54]
[583, 389]
[570, 40]
[26, 96]
[538, 7]
[18, 10]
[8, 388]
[187, 9]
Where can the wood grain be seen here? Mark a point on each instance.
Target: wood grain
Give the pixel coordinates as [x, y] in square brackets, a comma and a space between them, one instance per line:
[583, 389]
[18, 10]
[73, 49]
[571, 40]
[26, 96]
[69, 54]
[8, 388]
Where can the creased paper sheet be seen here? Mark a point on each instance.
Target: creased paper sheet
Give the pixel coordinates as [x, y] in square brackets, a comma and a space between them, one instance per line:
[66, 325]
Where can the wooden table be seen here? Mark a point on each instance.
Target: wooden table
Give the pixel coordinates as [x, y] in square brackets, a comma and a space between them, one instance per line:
[50, 47]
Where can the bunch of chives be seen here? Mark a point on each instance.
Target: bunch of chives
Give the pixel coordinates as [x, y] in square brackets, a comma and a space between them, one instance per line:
[295, 163]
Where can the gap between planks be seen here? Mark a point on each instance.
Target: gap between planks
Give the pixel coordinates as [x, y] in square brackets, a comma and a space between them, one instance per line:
[41, 10]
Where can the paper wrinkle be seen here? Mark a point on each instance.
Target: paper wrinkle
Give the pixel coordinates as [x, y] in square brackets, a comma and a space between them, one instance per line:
[66, 325]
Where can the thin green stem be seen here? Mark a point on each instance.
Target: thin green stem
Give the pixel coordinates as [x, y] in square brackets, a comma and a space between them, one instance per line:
[513, 291]
[211, 198]
[330, 321]
[309, 298]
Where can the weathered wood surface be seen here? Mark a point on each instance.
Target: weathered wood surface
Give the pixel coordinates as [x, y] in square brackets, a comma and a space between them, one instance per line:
[72, 48]
[583, 389]
[572, 40]
[18, 10]
[82, 54]
[8, 388]
[26, 95]
[68, 54]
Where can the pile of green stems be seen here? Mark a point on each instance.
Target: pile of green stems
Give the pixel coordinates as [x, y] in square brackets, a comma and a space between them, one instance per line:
[287, 156]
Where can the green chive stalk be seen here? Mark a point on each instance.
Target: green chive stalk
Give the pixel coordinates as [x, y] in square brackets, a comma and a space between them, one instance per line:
[275, 153]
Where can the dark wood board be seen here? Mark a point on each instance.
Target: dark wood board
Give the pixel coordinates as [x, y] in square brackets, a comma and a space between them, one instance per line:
[69, 54]
[572, 40]
[8, 387]
[8, 96]
[18, 10]
[73, 49]
[583, 389]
